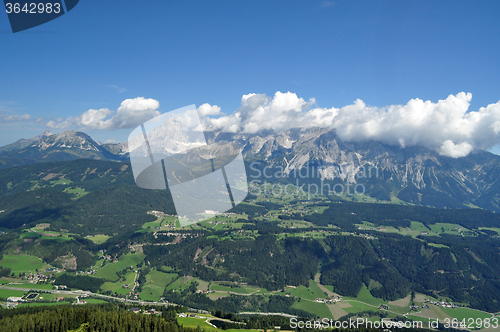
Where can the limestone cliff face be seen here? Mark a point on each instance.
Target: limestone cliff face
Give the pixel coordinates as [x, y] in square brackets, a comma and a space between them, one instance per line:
[413, 174]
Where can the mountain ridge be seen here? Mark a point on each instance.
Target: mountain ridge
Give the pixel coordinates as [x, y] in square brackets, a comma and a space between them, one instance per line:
[412, 174]
[68, 145]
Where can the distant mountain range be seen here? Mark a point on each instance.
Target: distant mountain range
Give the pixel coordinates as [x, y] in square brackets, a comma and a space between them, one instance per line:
[68, 145]
[415, 174]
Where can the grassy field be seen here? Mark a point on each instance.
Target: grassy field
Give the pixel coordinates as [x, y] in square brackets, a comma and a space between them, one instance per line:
[438, 245]
[22, 263]
[161, 222]
[366, 297]
[6, 293]
[34, 304]
[156, 282]
[94, 301]
[53, 296]
[117, 286]
[448, 228]
[99, 238]
[220, 222]
[315, 290]
[25, 284]
[466, 313]
[152, 224]
[109, 270]
[78, 192]
[180, 283]
[216, 296]
[194, 322]
[302, 292]
[315, 308]
[312, 292]
[439, 312]
[169, 220]
[61, 181]
[203, 285]
[48, 297]
[238, 290]
[358, 306]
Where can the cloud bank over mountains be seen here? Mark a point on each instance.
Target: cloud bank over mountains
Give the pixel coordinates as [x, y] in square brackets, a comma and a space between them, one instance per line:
[446, 126]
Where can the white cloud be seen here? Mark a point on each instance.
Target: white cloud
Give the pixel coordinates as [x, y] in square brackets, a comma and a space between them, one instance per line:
[206, 109]
[258, 112]
[133, 112]
[446, 126]
[14, 118]
[95, 119]
[453, 150]
[60, 124]
[130, 114]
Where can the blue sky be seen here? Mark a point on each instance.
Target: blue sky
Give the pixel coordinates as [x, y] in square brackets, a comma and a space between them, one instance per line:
[194, 52]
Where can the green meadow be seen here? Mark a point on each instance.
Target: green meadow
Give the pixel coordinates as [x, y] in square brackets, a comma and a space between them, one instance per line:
[99, 238]
[180, 283]
[365, 296]
[109, 270]
[302, 292]
[25, 284]
[193, 322]
[312, 292]
[78, 192]
[315, 308]
[237, 290]
[6, 293]
[466, 313]
[61, 181]
[161, 222]
[117, 286]
[156, 282]
[22, 263]
[95, 301]
[34, 304]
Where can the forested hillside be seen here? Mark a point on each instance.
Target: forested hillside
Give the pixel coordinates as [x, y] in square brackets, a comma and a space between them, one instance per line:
[84, 197]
